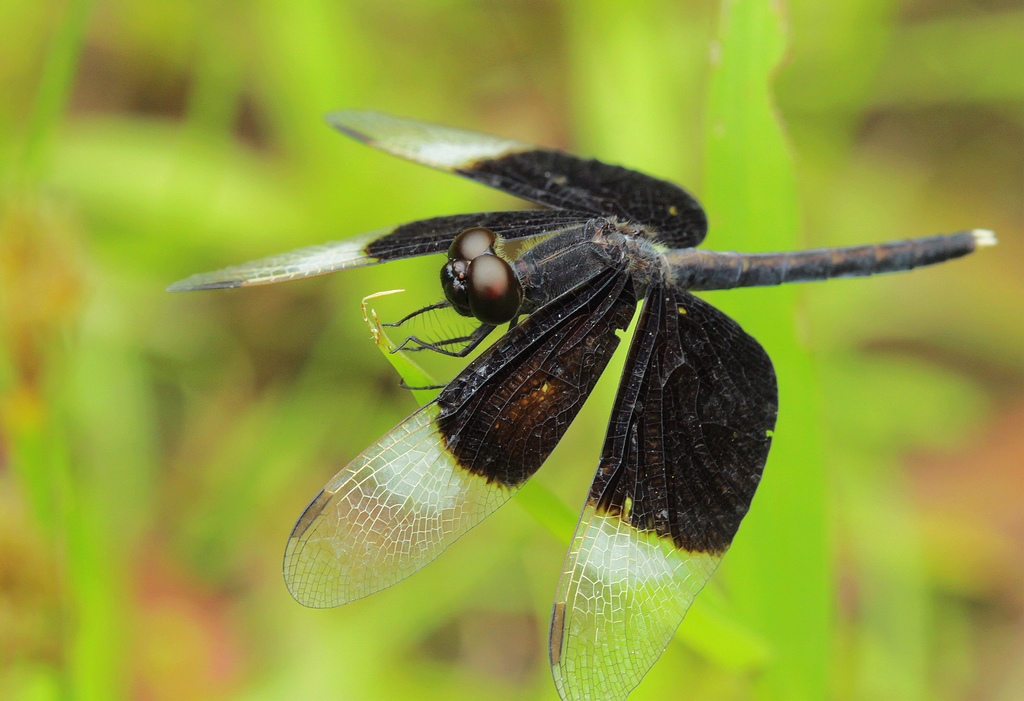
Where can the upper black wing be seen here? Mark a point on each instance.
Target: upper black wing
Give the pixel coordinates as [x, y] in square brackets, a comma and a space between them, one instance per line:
[545, 176]
[400, 503]
[687, 441]
[417, 238]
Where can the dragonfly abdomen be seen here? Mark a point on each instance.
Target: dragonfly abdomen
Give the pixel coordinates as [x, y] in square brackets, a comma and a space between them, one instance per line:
[693, 269]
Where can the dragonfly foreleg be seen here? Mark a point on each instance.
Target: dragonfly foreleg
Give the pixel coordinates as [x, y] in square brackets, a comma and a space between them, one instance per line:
[414, 343]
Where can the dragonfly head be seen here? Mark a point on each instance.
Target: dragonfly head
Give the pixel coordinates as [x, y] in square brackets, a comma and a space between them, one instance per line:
[477, 282]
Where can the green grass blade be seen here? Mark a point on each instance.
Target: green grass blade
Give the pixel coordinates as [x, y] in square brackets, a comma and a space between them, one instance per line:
[55, 85]
[779, 568]
[409, 370]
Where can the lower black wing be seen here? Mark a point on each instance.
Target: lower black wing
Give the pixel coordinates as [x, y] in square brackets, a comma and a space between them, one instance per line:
[417, 238]
[545, 176]
[688, 438]
[399, 504]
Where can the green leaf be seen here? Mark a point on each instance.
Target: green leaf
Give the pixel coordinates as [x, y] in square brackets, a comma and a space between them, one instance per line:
[779, 568]
[411, 373]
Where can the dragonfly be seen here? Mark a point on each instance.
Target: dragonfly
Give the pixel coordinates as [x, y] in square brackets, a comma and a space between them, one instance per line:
[691, 424]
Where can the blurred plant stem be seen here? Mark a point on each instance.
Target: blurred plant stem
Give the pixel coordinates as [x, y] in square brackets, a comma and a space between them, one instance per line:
[41, 298]
[55, 85]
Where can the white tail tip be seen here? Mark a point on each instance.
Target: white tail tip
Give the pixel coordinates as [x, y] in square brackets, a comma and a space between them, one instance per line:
[984, 237]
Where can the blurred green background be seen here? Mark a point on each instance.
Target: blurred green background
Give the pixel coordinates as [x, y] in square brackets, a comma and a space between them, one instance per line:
[155, 449]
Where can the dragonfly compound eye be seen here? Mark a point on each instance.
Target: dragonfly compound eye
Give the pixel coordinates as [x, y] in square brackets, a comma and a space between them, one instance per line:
[472, 243]
[477, 282]
[454, 280]
[494, 292]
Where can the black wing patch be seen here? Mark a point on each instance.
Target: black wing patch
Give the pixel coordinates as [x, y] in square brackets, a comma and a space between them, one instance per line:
[435, 235]
[563, 181]
[506, 412]
[687, 441]
[690, 430]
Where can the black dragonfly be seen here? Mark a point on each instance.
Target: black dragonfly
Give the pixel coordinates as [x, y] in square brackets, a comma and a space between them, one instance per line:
[691, 424]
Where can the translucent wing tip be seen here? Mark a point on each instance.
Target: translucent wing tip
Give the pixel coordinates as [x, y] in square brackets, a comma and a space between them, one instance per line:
[984, 237]
[353, 123]
[310, 261]
[198, 282]
[433, 145]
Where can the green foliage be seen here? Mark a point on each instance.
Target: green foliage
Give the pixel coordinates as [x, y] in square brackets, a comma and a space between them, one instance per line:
[790, 606]
[155, 449]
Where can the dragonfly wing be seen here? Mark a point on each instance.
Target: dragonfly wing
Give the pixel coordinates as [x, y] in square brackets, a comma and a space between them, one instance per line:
[546, 176]
[687, 441]
[417, 238]
[440, 472]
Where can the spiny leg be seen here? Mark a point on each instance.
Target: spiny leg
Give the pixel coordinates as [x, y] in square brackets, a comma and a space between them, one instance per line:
[472, 341]
[424, 387]
[443, 304]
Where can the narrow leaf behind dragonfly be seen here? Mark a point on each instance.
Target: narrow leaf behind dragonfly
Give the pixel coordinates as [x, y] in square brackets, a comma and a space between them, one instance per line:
[779, 572]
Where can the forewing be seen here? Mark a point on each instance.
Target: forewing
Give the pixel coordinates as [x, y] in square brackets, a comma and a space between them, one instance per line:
[687, 441]
[545, 176]
[418, 238]
[440, 472]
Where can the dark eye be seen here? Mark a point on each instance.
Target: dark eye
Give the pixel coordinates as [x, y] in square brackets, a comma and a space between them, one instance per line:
[494, 292]
[454, 282]
[472, 243]
[479, 283]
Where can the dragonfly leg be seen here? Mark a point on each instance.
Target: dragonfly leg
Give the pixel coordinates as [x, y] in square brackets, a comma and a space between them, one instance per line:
[413, 343]
[424, 387]
[443, 304]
